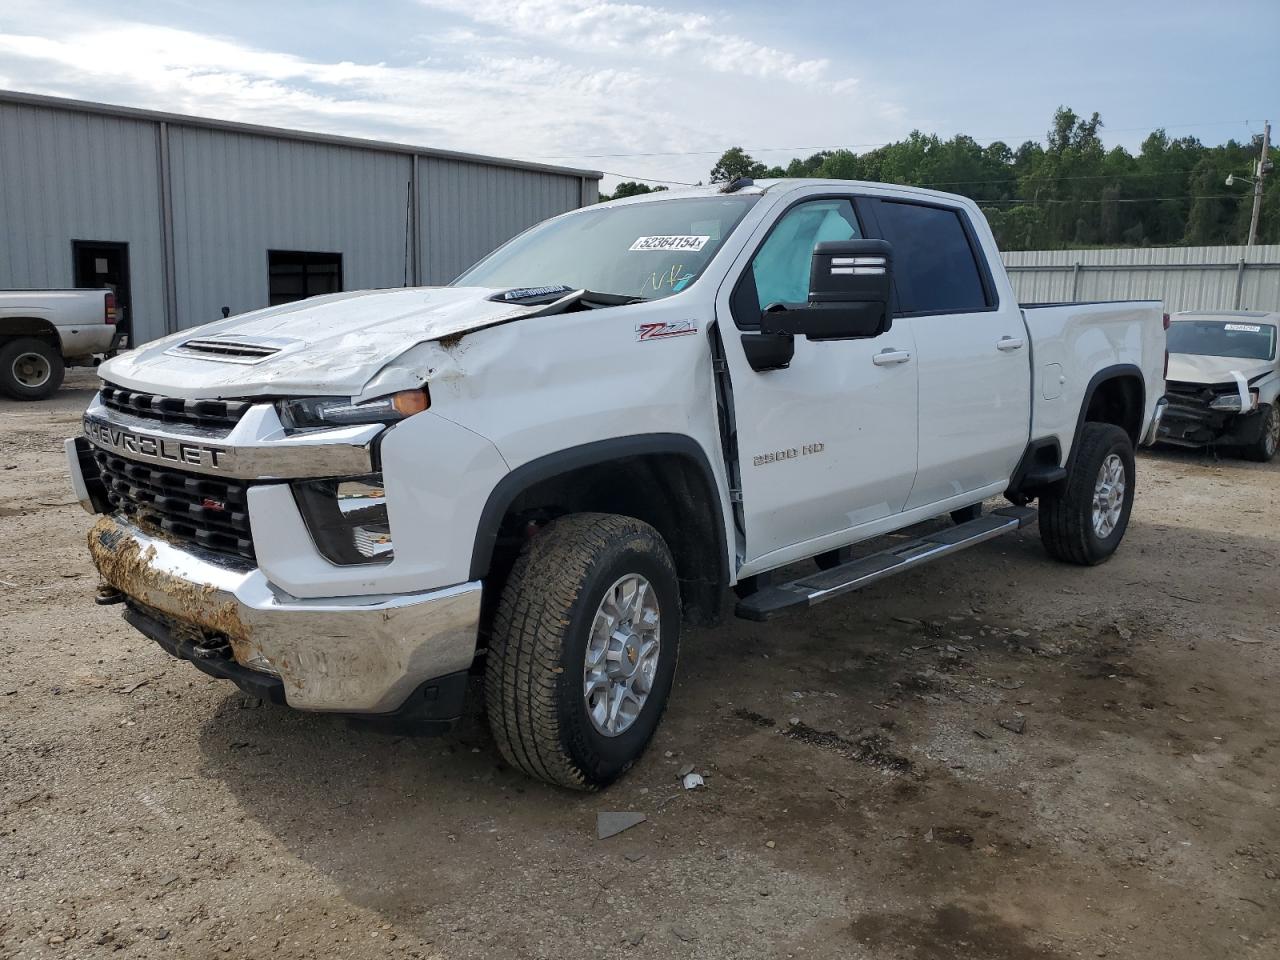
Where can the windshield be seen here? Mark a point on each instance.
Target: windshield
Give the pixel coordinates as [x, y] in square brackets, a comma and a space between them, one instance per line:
[649, 250]
[1221, 338]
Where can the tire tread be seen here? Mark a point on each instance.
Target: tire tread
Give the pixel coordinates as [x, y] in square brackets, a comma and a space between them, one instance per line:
[523, 666]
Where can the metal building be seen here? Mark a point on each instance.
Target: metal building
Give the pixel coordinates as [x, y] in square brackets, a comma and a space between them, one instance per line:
[184, 216]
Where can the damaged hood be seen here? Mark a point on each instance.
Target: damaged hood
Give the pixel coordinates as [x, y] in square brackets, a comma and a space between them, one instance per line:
[324, 346]
[1194, 368]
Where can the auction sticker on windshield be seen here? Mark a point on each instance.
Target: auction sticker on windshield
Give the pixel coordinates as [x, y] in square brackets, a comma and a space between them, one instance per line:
[1243, 327]
[669, 243]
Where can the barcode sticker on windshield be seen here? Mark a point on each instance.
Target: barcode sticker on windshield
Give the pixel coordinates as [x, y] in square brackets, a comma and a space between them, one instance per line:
[1243, 327]
[693, 244]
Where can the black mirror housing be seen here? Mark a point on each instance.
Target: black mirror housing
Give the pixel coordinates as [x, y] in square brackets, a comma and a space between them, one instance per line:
[849, 287]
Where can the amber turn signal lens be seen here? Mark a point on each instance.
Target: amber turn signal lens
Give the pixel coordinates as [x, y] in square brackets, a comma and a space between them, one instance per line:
[408, 402]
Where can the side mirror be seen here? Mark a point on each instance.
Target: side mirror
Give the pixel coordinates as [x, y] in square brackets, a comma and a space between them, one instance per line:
[849, 284]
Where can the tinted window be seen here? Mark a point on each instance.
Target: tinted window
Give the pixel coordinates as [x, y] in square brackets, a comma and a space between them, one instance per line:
[932, 258]
[781, 265]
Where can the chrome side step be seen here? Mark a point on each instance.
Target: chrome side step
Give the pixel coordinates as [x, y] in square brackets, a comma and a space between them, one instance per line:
[774, 601]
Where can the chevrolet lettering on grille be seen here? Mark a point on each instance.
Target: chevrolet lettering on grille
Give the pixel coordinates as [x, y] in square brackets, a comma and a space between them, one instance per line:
[156, 449]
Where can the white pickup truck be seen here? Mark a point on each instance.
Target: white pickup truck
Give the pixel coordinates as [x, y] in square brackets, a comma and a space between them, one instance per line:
[44, 331]
[556, 461]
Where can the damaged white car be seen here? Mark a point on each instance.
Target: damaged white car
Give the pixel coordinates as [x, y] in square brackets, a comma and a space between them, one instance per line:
[1224, 381]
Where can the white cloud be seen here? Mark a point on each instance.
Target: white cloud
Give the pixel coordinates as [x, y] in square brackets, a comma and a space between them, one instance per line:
[639, 29]
[522, 78]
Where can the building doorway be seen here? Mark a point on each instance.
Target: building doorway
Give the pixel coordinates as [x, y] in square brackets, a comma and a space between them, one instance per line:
[104, 264]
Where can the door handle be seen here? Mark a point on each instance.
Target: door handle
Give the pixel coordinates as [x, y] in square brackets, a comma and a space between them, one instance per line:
[887, 358]
[1010, 343]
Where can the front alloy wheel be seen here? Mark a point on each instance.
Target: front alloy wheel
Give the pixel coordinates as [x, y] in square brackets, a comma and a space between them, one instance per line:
[622, 655]
[583, 649]
[1264, 448]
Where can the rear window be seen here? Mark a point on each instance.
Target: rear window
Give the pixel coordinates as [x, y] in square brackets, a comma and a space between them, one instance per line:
[1223, 338]
[933, 259]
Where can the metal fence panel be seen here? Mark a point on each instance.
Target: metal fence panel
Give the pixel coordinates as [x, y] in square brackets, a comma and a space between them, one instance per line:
[1185, 278]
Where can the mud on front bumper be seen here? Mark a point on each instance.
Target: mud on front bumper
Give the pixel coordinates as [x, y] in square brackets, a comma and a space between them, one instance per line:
[402, 655]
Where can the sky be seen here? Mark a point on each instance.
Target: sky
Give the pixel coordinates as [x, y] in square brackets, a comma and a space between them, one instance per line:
[656, 90]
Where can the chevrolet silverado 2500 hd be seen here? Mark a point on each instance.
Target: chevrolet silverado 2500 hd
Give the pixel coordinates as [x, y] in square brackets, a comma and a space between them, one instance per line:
[1224, 382]
[575, 448]
[44, 331]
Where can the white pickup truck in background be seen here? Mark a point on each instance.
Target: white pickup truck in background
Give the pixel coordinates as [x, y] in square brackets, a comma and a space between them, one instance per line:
[547, 468]
[44, 331]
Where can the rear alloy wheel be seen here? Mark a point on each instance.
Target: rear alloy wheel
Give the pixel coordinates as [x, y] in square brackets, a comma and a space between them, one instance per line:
[30, 369]
[1084, 521]
[1264, 448]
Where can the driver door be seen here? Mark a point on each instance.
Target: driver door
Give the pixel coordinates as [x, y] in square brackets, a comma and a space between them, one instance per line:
[829, 442]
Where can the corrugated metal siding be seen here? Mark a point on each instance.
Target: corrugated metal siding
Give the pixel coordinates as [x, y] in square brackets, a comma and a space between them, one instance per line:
[1185, 278]
[73, 176]
[71, 171]
[468, 209]
[236, 196]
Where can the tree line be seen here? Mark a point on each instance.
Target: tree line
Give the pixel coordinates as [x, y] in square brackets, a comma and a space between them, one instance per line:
[1069, 191]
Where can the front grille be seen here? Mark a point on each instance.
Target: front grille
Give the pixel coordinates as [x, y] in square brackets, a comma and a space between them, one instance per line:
[218, 414]
[211, 513]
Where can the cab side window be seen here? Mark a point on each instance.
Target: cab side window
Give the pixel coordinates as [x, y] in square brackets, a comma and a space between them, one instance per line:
[781, 265]
[933, 259]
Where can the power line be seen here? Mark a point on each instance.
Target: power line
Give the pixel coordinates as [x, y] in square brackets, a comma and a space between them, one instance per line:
[627, 176]
[1183, 198]
[871, 146]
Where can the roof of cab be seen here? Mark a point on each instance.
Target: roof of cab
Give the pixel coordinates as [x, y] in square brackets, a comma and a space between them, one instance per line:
[783, 185]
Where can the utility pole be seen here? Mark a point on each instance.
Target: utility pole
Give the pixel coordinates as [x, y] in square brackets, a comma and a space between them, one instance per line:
[1257, 184]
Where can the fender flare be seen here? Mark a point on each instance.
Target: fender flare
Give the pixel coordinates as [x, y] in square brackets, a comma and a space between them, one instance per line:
[1116, 371]
[564, 461]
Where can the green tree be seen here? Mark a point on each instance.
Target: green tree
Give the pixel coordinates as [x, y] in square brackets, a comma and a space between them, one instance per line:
[1069, 190]
[629, 188]
[734, 163]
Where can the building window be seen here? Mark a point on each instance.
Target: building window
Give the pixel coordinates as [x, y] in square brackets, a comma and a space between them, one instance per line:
[296, 274]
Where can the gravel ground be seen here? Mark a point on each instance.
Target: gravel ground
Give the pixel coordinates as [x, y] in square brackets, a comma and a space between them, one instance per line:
[995, 758]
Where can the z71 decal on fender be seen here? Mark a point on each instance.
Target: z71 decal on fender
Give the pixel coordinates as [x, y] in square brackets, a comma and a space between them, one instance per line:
[664, 330]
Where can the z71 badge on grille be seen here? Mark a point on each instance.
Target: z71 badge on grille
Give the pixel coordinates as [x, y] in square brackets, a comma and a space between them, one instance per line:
[666, 330]
[155, 449]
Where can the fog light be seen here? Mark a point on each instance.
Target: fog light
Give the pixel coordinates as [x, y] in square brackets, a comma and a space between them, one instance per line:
[347, 518]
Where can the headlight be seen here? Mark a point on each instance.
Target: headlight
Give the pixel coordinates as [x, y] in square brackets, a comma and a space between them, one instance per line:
[1230, 402]
[347, 518]
[314, 413]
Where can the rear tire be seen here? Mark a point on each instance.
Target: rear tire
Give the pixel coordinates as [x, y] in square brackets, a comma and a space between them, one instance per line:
[559, 705]
[1085, 520]
[1263, 450]
[30, 369]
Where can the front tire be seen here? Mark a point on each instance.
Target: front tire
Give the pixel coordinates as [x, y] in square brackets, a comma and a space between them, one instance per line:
[1263, 450]
[30, 369]
[1085, 520]
[583, 649]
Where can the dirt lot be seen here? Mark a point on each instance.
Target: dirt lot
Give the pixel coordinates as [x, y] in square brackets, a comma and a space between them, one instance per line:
[863, 798]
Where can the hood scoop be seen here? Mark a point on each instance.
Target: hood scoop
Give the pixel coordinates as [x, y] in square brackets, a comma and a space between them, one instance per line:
[230, 348]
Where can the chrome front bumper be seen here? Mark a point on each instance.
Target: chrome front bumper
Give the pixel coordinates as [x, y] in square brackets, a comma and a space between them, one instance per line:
[350, 655]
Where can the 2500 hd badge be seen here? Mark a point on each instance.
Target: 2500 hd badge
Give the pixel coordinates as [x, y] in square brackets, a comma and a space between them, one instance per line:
[152, 448]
